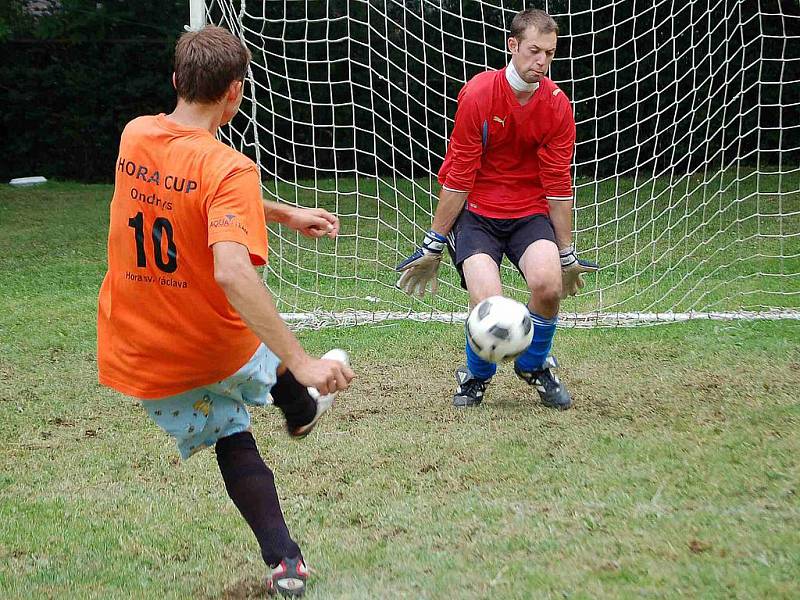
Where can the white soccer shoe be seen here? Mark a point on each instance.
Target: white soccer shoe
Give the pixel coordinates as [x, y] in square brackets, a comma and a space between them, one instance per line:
[323, 402]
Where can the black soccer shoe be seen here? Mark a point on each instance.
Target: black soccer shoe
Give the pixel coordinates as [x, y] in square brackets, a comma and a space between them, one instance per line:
[470, 389]
[551, 391]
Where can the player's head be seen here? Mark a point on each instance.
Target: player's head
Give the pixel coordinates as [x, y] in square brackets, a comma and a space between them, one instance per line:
[210, 67]
[532, 43]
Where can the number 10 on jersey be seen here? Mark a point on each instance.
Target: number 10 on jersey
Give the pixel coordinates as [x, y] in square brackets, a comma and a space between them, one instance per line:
[162, 230]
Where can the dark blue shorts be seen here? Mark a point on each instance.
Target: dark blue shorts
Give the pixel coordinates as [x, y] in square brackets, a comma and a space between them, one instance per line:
[474, 234]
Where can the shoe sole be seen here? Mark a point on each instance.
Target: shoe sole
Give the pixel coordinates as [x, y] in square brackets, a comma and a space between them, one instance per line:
[291, 582]
[558, 406]
[467, 404]
[291, 592]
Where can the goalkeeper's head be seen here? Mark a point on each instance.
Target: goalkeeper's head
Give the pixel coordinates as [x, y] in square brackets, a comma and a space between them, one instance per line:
[532, 43]
[210, 66]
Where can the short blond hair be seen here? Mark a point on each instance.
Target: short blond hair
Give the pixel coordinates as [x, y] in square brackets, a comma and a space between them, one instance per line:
[207, 61]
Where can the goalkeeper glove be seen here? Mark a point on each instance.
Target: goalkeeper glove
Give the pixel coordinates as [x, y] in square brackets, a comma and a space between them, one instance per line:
[572, 269]
[422, 266]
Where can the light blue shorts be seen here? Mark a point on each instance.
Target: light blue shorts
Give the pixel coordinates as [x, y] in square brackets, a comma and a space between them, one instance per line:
[201, 416]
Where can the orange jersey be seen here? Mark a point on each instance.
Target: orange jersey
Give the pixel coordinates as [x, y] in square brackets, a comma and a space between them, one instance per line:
[164, 326]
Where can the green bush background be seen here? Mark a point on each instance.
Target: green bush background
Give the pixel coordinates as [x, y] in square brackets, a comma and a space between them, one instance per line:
[72, 77]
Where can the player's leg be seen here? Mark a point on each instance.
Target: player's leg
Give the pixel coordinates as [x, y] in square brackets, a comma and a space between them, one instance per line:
[217, 415]
[251, 486]
[482, 277]
[541, 268]
[248, 480]
[534, 242]
[293, 399]
[477, 253]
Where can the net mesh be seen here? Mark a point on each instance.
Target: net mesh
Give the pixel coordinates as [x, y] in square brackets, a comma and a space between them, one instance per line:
[687, 163]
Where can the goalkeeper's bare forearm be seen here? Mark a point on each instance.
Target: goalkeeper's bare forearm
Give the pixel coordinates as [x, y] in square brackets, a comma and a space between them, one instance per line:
[561, 218]
[450, 204]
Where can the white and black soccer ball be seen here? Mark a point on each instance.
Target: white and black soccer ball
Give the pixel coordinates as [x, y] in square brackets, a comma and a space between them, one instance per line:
[499, 328]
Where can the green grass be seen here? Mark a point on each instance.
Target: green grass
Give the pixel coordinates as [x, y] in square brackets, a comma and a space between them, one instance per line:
[676, 475]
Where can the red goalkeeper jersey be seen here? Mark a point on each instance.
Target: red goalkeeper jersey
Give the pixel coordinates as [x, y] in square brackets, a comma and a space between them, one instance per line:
[510, 159]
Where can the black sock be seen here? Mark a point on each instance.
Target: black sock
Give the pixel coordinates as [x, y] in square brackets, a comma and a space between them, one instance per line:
[251, 486]
[292, 397]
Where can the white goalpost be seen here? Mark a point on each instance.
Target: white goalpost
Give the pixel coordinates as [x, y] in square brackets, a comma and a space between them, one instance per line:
[687, 164]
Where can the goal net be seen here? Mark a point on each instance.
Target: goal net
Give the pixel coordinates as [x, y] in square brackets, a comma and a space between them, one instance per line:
[686, 170]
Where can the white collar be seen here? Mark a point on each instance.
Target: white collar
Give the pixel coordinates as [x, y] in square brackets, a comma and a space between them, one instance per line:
[517, 83]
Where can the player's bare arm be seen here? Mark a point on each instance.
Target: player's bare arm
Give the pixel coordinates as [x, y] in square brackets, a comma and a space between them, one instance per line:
[246, 292]
[311, 222]
[422, 267]
[450, 204]
[561, 218]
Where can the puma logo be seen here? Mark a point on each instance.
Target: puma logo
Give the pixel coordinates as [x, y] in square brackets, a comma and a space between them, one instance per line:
[499, 120]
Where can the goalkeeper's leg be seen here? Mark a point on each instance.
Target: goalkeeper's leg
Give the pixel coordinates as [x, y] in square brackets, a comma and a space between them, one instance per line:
[541, 267]
[481, 277]
[476, 253]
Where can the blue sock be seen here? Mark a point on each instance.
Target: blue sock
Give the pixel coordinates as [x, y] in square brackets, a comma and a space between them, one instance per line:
[482, 369]
[543, 331]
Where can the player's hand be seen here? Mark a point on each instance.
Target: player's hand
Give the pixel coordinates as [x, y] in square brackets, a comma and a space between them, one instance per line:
[313, 222]
[326, 375]
[422, 266]
[572, 269]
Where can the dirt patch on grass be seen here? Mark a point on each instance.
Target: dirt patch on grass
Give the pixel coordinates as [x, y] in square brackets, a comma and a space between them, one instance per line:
[244, 588]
